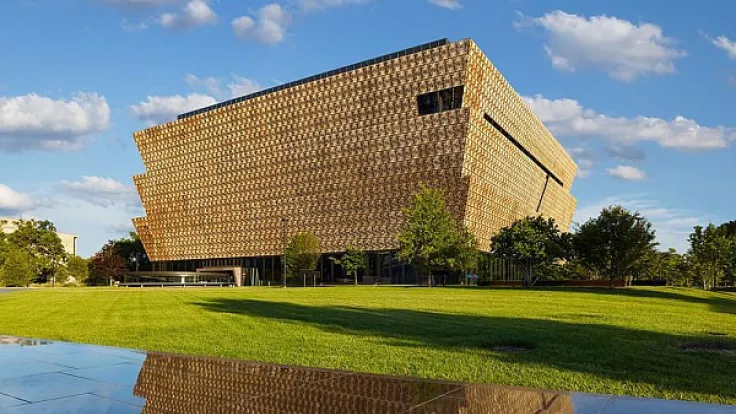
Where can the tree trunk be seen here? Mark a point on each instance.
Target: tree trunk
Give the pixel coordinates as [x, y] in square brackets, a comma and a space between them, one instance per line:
[355, 278]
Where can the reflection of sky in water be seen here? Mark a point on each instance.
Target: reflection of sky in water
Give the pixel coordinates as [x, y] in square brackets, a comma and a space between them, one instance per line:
[61, 377]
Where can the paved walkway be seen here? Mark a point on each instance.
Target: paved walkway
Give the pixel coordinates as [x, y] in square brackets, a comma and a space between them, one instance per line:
[39, 376]
[8, 290]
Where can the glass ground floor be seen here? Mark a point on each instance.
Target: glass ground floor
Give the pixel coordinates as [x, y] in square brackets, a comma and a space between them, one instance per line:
[383, 267]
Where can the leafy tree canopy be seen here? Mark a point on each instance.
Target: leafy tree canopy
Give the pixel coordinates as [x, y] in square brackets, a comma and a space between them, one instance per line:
[17, 268]
[41, 243]
[433, 238]
[712, 253]
[533, 241]
[106, 265]
[132, 251]
[352, 261]
[78, 268]
[615, 243]
[302, 253]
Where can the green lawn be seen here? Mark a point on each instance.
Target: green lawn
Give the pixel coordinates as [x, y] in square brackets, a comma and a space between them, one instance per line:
[622, 342]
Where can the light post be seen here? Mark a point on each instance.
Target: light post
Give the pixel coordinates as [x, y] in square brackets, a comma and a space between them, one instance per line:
[284, 220]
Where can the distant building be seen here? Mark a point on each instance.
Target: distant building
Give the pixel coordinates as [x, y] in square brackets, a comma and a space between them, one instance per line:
[69, 241]
[339, 154]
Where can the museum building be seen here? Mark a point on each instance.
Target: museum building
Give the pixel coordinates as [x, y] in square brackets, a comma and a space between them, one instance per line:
[339, 154]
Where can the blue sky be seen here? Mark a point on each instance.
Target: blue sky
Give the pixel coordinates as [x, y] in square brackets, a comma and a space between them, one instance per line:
[643, 94]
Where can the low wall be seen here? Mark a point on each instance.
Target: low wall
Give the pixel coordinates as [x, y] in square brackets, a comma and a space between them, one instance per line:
[568, 283]
[649, 283]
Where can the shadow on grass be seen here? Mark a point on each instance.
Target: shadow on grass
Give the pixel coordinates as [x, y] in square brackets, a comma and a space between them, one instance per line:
[719, 301]
[621, 354]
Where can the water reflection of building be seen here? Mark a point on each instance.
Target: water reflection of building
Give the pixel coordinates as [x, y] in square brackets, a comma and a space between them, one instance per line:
[172, 383]
[14, 340]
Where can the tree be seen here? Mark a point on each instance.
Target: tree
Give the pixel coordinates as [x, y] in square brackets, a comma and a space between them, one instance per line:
[711, 252]
[17, 268]
[672, 268]
[302, 253]
[615, 243]
[533, 242]
[463, 255]
[40, 241]
[132, 251]
[729, 273]
[432, 237]
[650, 266]
[728, 228]
[3, 244]
[78, 268]
[61, 276]
[106, 265]
[352, 261]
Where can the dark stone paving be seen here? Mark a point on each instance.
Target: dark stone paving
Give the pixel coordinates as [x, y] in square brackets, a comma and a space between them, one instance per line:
[38, 376]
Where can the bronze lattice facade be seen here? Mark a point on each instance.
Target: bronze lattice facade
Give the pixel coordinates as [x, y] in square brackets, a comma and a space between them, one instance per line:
[184, 384]
[340, 154]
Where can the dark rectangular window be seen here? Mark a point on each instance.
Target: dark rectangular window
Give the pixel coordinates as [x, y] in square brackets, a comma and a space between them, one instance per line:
[451, 98]
[440, 101]
[428, 103]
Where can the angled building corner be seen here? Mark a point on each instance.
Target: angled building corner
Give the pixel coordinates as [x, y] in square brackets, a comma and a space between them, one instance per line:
[515, 166]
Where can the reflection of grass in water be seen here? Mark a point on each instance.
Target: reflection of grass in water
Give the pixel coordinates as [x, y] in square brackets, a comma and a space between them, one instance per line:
[595, 340]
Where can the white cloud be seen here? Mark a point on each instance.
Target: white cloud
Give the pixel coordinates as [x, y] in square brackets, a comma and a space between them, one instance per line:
[38, 122]
[622, 49]
[567, 117]
[160, 109]
[448, 4]
[240, 86]
[270, 27]
[95, 223]
[103, 191]
[722, 42]
[627, 172]
[585, 158]
[237, 86]
[13, 202]
[195, 13]
[211, 84]
[95, 208]
[672, 225]
[321, 4]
